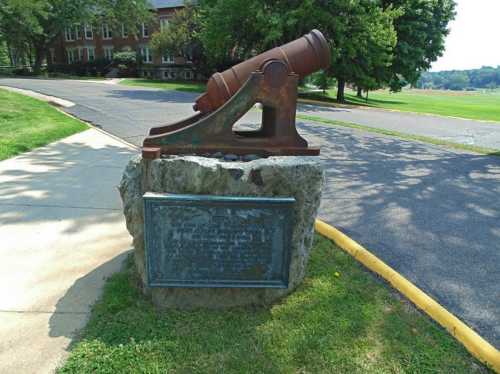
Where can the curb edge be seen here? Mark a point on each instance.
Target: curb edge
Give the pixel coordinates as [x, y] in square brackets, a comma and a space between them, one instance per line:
[472, 341]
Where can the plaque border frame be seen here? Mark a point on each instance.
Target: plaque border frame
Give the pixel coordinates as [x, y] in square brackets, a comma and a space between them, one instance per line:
[168, 199]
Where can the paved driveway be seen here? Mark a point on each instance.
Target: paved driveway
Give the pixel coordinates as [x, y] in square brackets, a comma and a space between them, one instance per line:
[432, 214]
[463, 131]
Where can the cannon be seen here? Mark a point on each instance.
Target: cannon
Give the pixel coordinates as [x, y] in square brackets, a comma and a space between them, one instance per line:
[270, 79]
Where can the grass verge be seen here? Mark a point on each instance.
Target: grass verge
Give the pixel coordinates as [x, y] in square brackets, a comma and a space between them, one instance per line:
[27, 123]
[177, 86]
[424, 139]
[474, 105]
[340, 320]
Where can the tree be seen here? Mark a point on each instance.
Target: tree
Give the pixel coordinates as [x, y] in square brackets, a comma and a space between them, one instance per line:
[485, 77]
[234, 30]
[361, 33]
[421, 32]
[181, 37]
[458, 81]
[34, 25]
[322, 80]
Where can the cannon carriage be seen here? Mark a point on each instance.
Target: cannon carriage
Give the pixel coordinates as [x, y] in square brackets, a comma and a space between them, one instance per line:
[271, 79]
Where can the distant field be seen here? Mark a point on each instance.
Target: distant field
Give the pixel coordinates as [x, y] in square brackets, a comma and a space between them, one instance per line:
[473, 105]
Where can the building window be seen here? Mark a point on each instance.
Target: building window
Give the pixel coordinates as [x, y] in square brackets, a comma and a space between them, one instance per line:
[72, 55]
[90, 53]
[124, 32]
[89, 33]
[188, 74]
[145, 30]
[167, 58]
[147, 57]
[69, 34]
[106, 32]
[108, 53]
[77, 33]
[80, 54]
[163, 23]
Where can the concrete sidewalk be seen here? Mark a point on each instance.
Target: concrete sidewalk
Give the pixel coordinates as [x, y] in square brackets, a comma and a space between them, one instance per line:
[62, 233]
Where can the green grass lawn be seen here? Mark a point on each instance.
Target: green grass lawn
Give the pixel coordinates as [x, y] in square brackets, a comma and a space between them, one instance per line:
[27, 123]
[166, 85]
[341, 320]
[472, 105]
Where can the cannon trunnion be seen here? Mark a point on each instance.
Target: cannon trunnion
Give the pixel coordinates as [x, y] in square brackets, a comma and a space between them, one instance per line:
[270, 79]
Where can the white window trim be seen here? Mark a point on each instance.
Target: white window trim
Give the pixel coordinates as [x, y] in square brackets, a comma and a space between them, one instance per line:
[68, 34]
[169, 60]
[107, 34]
[108, 53]
[71, 54]
[147, 57]
[80, 54]
[86, 30]
[88, 53]
[144, 27]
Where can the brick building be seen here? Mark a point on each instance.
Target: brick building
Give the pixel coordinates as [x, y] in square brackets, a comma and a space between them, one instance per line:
[87, 43]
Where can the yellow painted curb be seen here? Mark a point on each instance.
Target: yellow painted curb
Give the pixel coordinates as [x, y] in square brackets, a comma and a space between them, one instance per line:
[474, 343]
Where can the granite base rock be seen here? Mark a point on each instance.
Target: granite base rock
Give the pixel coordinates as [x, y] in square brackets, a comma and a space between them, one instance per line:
[298, 177]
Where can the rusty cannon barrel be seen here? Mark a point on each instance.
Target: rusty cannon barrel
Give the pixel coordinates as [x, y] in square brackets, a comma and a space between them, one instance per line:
[302, 56]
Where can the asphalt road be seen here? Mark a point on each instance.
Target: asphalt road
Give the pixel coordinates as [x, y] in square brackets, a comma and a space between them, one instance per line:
[456, 130]
[430, 213]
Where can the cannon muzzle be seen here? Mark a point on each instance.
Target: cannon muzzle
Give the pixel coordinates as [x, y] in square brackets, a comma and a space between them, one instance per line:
[302, 56]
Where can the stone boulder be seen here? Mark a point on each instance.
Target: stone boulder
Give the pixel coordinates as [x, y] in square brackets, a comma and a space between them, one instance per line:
[298, 177]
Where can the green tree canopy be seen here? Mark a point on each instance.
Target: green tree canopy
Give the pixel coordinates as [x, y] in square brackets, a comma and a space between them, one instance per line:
[421, 31]
[361, 32]
[181, 37]
[486, 77]
[35, 24]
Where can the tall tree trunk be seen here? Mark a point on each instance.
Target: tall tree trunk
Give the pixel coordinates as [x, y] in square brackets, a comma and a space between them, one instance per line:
[39, 57]
[10, 52]
[341, 90]
[360, 93]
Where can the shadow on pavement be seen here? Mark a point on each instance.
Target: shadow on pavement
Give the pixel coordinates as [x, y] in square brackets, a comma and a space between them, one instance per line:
[63, 175]
[152, 95]
[430, 213]
[85, 291]
[318, 108]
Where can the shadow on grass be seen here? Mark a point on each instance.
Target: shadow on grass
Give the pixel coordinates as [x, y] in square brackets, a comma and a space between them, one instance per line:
[350, 99]
[334, 321]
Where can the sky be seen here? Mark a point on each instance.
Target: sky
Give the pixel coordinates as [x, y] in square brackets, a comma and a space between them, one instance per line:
[474, 40]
